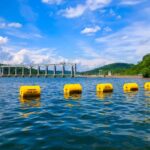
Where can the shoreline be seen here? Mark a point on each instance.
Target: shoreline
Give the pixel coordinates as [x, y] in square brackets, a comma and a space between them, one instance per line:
[114, 76]
[80, 76]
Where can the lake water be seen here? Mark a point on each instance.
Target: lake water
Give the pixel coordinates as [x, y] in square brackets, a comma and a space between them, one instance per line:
[117, 121]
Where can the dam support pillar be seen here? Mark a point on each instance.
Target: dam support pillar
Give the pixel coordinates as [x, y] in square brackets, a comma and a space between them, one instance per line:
[2, 71]
[23, 71]
[15, 71]
[72, 71]
[63, 70]
[38, 71]
[30, 71]
[8, 71]
[46, 71]
[54, 73]
[75, 69]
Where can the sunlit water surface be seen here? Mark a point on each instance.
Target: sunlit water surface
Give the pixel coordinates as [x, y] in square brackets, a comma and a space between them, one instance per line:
[117, 121]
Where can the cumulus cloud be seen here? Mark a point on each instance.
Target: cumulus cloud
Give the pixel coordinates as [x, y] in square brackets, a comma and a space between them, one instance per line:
[28, 56]
[3, 40]
[90, 30]
[52, 1]
[80, 9]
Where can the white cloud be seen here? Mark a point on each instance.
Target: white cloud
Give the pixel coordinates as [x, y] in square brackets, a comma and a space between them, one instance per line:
[96, 4]
[10, 25]
[74, 12]
[52, 1]
[80, 9]
[129, 44]
[15, 25]
[131, 2]
[28, 56]
[3, 40]
[90, 30]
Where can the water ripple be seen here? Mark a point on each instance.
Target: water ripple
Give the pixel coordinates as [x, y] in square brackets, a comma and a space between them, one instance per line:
[108, 122]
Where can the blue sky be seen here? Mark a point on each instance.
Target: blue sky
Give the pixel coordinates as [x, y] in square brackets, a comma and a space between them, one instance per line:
[91, 33]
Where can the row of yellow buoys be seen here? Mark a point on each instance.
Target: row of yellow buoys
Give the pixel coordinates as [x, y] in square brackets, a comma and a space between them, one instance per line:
[76, 89]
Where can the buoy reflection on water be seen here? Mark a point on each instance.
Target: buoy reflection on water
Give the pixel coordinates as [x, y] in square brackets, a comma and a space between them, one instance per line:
[29, 102]
[73, 96]
[102, 95]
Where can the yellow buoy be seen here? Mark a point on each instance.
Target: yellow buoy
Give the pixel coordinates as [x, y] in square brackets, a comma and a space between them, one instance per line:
[30, 91]
[105, 87]
[129, 87]
[29, 99]
[73, 89]
[147, 86]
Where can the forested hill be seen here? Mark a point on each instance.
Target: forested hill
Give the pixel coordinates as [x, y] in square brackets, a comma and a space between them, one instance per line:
[142, 67]
[115, 68]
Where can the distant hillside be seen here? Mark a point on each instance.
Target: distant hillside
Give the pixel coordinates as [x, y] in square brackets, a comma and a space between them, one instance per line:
[115, 68]
[142, 67]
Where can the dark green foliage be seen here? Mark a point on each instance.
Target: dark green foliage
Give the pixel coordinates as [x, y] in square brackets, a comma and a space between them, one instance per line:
[146, 73]
[142, 67]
